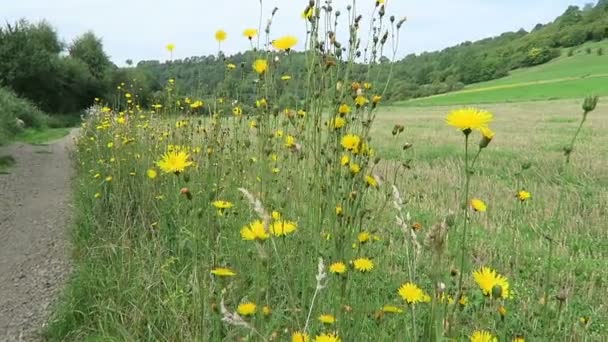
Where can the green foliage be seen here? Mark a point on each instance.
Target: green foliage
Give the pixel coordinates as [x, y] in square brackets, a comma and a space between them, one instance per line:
[12, 109]
[414, 76]
[32, 64]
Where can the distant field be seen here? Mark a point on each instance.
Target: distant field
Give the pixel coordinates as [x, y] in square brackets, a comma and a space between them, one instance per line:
[563, 78]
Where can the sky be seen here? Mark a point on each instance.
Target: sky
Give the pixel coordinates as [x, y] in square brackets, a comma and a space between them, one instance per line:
[140, 29]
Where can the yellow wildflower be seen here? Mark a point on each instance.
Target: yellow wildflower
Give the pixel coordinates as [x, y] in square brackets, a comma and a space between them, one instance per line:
[483, 336]
[220, 35]
[478, 205]
[285, 43]
[327, 319]
[260, 66]
[246, 309]
[468, 119]
[412, 294]
[363, 264]
[492, 283]
[174, 162]
[337, 267]
[250, 33]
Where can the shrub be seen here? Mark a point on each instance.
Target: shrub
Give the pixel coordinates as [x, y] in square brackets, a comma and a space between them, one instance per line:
[12, 109]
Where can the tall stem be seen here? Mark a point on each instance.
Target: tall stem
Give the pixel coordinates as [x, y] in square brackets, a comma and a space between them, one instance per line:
[463, 238]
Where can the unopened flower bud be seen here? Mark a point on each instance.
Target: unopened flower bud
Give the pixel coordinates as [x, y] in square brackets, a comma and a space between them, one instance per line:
[589, 104]
[497, 292]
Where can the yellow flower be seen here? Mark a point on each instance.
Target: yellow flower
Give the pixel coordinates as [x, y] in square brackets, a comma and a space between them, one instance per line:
[254, 231]
[109, 179]
[339, 210]
[290, 141]
[261, 103]
[376, 99]
[492, 283]
[379, 2]
[354, 168]
[337, 267]
[230, 66]
[285, 43]
[220, 35]
[237, 111]
[223, 272]
[221, 205]
[345, 160]
[351, 142]
[363, 264]
[391, 309]
[97, 195]
[361, 101]
[266, 310]
[327, 338]
[151, 173]
[343, 109]
[283, 228]
[275, 215]
[467, 119]
[174, 162]
[524, 195]
[170, 47]
[246, 309]
[260, 66]
[487, 133]
[412, 294]
[327, 319]
[371, 181]
[250, 33]
[299, 337]
[364, 237]
[464, 300]
[338, 122]
[483, 336]
[519, 338]
[286, 77]
[478, 205]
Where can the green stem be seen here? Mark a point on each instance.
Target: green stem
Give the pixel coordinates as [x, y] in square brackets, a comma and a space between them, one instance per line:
[466, 222]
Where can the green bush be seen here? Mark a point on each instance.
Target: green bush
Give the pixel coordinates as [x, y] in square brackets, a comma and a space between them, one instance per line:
[13, 108]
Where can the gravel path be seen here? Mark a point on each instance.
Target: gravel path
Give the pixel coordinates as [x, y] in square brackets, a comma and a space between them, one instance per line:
[34, 212]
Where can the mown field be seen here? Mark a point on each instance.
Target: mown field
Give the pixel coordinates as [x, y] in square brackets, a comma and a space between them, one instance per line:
[566, 77]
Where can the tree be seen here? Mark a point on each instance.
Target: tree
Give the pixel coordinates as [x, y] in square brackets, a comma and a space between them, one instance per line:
[89, 49]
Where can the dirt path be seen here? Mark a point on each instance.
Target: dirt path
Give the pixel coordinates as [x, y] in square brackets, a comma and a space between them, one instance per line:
[34, 211]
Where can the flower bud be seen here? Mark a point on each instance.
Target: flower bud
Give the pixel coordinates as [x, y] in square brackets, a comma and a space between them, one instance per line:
[497, 292]
[589, 104]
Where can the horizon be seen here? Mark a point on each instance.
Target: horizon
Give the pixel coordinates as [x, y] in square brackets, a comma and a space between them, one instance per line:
[140, 38]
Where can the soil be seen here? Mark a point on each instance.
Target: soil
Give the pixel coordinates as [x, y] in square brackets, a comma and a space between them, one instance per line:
[34, 220]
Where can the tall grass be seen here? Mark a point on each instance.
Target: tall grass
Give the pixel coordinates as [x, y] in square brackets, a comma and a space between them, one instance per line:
[235, 221]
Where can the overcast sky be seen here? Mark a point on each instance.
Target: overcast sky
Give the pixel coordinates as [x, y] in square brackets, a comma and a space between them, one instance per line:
[140, 29]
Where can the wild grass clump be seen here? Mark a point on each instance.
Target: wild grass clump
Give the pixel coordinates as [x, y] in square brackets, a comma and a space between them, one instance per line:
[16, 114]
[218, 220]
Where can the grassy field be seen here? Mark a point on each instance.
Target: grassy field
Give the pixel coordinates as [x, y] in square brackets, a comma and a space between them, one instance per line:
[566, 77]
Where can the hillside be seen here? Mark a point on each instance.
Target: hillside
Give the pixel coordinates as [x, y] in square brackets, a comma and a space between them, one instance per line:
[415, 76]
[574, 74]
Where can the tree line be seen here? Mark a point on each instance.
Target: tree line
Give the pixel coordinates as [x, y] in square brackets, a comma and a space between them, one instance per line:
[65, 77]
